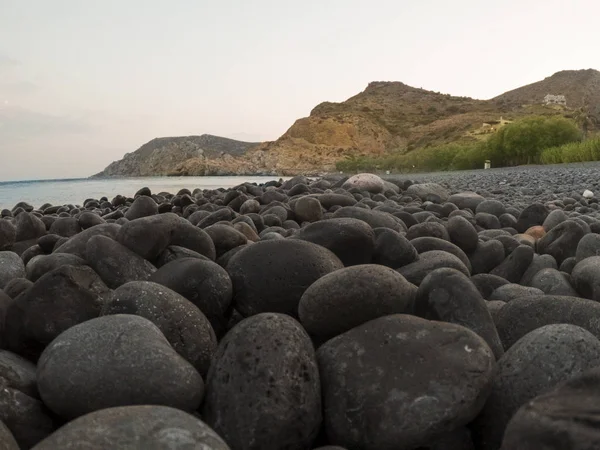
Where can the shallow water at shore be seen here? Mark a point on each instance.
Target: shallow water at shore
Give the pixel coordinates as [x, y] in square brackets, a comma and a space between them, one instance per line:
[75, 191]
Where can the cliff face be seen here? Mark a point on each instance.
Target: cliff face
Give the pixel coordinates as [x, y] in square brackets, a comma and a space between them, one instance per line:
[386, 116]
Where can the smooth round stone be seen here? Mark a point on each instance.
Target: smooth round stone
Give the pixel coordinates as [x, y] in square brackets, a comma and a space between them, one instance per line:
[487, 256]
[538, 263]
[17, 373]
[525, 314]
[250, 231]
[8, 234]
[193, 238]
[148, 427]
[428, 229]
[88, 219]
[115, 360]
[509, 291]
[11, 267]
[16, 286]
[494, 207]
[428, 261]
[57, 301]
[494, 307]
[568, 265]
[115, 263]
[514, 265]
[173, 252]
[65, 227]
[149, 236]
[351, 240]
[586, 278]
[508, 220]
[589, 245]
[462, 233]
[26, 417]
[487, 221]
[553, 282]
[425, 190]
[78, 243]
[533, 365]
[225, 237]
[42, 264]
[554, 218]
[554, 418]
[308, 209]
[264, 366]
[48, 242]
[365, 182]
[352, 296]
[427, 244]
[376, 219]
[29, 226]
[464, 200]
[293, 265]
[448, 295]
[392, 249]
[486, 283]
[188, 330]
[561, 241]
[509, 243]
[360, 366]
[204, 283]
[536, 232]
[532, 215]
[143, 206]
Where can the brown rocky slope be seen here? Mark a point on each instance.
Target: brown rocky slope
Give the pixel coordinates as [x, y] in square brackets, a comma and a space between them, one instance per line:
[385, 117]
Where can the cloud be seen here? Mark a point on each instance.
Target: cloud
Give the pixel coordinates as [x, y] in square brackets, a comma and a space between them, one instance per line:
[19, 124]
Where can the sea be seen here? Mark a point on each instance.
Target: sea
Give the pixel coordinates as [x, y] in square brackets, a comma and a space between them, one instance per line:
[75, 191]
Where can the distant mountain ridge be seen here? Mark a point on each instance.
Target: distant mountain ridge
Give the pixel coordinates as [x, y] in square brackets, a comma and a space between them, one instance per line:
[385, 117]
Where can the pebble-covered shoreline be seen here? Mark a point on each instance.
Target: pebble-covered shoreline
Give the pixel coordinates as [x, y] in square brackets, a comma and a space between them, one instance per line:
[456, 311]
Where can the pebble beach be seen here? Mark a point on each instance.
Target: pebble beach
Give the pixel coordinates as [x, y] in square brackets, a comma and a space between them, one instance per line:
[447, 311]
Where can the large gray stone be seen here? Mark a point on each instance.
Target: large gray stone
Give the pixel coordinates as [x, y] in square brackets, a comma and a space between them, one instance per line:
[115, 360]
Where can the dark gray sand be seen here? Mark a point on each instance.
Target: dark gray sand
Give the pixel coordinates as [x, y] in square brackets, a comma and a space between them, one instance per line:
[446, 311]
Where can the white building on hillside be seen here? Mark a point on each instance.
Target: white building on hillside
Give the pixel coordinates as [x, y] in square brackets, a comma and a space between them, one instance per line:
[555, 100]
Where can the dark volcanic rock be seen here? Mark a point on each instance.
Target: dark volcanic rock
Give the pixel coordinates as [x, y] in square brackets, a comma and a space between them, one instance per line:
[115, 263]
[265, 364]
[58, 300]
[463, 233]
[525, 314]
[538, 263]
[225, 237]
[535, 364]
[487, 256]
[17, 285]
[293, 265]
[392, 249]
[351, 296]
[77, 244]
[8, 234]
[143, 206]
[148, 236]
[428, 229]
[427, 244]
[29, 226]
[534, 214]
[186, 328]
[376, 219]
[428, 261]
[554, 419]
[115, 360]
[65, 227]
[148, 427]
[173, 252]
[42, 264]
[352, 240]
[561, 241]
[204, 283]
[487, 283]
[450, 296]
[515, 264]
[360, 366]
[553, 282]
[11, 267]
[509, 291]
[586, 278]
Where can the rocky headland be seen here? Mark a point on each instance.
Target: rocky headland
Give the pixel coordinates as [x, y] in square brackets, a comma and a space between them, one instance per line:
[386, 117]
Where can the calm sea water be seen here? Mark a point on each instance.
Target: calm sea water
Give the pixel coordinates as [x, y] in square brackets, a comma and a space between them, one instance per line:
[75, 191]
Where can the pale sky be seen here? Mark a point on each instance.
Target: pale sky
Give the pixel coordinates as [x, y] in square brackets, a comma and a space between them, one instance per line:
[82, 82]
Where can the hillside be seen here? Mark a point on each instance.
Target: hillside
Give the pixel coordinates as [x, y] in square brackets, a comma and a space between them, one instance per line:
[386, 116]
[178, 155]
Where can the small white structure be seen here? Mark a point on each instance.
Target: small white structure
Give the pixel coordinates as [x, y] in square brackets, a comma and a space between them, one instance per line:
[555, 100]
[487, 164]
[588, 194]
